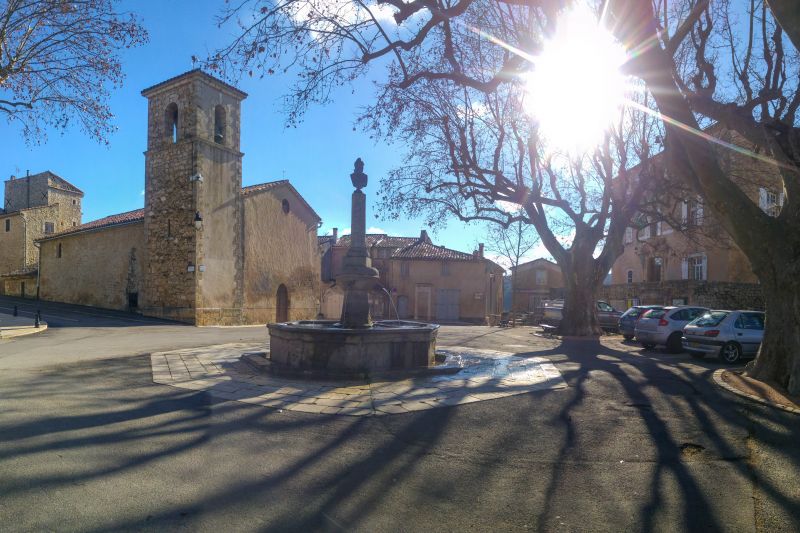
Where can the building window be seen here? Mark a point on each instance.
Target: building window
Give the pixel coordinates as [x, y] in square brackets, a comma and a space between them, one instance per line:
[405, 269]
[696, 212]
[74, 201]
[630, 276]
[219, 124]
[171, 122]
[74, 223]
[8, 224]
[695, 268]
[644, 233]
[770, 201]
[49, 228]
[628, 235]
[58, 251]
[541, 277]
[285, 206]
[654, 270]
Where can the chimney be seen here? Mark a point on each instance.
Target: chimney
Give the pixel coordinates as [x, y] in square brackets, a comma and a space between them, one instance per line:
[423, 236]
[480, 250]
[335, 235]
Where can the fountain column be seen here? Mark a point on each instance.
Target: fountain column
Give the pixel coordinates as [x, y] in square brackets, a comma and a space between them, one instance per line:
[358, 277]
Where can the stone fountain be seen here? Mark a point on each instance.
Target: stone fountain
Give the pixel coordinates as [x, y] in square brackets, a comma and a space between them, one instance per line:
[354, 346]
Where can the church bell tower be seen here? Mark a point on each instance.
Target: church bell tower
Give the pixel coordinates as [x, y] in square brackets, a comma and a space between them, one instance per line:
[193, 265]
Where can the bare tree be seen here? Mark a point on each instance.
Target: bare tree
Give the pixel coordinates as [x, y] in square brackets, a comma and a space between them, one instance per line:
[456, 100]
[58, 61]
[753, 92]
[512, 244]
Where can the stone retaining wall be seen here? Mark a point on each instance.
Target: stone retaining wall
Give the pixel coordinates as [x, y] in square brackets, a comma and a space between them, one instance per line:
[713, 294]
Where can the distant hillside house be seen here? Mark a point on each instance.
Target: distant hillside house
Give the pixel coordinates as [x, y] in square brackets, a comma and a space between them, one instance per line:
[423, 281]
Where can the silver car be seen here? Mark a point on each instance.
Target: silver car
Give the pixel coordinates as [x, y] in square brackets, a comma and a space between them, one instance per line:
[730, 335]
[665, 326]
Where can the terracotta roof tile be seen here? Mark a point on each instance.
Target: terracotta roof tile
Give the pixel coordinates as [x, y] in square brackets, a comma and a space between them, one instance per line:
[380, 240]
[263, 186]
[426, 251]
[112, 220]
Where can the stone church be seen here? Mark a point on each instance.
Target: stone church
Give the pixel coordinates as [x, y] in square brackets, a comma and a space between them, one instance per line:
[204, 250]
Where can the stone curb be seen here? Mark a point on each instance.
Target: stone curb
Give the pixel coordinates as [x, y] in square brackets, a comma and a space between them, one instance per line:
[717, 377]
[10, 333]
[193, 369]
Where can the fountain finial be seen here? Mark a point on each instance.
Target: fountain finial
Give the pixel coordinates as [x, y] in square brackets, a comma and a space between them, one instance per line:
[358, 177]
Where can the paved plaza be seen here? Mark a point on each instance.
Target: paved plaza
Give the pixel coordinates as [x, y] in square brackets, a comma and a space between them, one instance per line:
[483, 375]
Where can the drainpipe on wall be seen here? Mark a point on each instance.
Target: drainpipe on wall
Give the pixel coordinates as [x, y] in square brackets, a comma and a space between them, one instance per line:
[38, 246]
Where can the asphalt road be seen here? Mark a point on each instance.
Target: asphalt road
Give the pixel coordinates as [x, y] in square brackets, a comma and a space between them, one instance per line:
[640, 441]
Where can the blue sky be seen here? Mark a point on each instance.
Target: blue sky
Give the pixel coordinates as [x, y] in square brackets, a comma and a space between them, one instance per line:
[316, 157]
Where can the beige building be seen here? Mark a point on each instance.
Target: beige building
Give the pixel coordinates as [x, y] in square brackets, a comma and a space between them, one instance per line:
[536, 281]
[683, 242]
[426, 282]
[203, 250]
[34, 206]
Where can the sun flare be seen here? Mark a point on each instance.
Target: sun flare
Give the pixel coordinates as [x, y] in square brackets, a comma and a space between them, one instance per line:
[576, 88]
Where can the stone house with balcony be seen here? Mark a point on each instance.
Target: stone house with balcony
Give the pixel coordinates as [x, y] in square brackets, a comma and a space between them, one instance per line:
[418, 279]
[677, 253]
[34, 206]
[203, 250]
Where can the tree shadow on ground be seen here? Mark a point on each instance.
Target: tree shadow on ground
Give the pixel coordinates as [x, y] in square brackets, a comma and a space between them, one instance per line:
[165, 458]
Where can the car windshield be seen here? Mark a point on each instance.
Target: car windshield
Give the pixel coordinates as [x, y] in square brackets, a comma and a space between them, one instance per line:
[655, 313]
[710, 319]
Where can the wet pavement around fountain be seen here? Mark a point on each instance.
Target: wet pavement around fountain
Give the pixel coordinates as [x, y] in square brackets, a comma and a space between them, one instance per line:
[483, 375]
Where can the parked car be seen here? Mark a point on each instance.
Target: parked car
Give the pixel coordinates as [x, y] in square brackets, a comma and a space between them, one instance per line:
[665, 326]
[730, 335]
[627, 322]
[607, 316]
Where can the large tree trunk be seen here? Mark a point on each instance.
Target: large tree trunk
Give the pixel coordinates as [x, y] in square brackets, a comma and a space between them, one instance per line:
[778, 360]
[579, 317]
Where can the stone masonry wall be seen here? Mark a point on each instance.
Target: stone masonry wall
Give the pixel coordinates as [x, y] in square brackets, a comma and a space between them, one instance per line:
[97, 268]
[26, 192]
[12, 243]
[280, 248]
[712, 294]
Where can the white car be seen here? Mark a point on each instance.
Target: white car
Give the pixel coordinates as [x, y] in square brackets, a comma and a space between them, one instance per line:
[730, 335]
[665, 326]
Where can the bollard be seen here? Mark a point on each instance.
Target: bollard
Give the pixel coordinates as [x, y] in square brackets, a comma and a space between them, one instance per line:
[36, 318]
[15, 310]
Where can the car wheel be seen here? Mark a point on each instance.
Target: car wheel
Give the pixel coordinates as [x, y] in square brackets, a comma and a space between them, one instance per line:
[731, 353]
[648, 345]
[628, 337]
[674, 343]
[697, 355]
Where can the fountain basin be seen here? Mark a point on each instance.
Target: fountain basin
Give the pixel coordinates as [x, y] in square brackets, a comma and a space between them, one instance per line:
[325, 348]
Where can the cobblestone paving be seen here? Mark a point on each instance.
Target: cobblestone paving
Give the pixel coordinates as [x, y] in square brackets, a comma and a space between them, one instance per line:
[486, 375]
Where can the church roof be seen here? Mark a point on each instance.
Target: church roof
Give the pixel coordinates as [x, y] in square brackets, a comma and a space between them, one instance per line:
[119, 219]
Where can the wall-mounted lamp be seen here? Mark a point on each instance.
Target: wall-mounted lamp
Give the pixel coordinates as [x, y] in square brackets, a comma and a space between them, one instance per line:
[198, 220]
[190, 267]
[197, 177]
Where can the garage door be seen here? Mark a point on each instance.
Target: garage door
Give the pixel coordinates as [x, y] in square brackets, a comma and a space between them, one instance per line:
[447, 305]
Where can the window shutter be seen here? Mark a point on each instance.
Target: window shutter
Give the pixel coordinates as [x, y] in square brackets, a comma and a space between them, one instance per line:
[684, 212]
[762, 198]
[780, 198]
[628, 235]
[658, 228]
[684, 268]
[705, 267]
